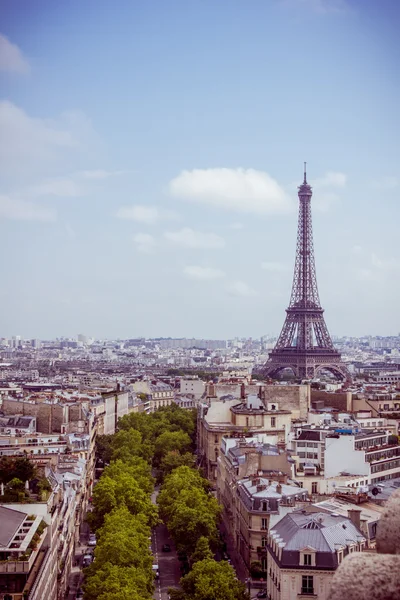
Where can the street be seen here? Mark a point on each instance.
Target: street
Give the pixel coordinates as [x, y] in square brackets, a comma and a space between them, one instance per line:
[168, 563]
[76, 575]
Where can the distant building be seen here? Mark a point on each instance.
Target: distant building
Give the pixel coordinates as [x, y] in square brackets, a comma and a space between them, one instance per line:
[157, 393]
[303, 552]
[193, 386]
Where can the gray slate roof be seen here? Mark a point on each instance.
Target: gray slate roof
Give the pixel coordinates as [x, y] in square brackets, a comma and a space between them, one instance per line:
[321, 531]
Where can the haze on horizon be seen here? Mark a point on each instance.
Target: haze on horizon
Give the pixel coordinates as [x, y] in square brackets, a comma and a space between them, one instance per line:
[150, 154]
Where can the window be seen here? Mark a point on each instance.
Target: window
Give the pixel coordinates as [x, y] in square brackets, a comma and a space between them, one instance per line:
[264, 563]
[314, 487]
[264, 523]
[307, 584]
[216, 439]
[273, 421]
[307, 560]
[264, 506]
[264, 542]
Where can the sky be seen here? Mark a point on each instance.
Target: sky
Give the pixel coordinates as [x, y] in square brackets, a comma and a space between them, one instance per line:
[150, 153]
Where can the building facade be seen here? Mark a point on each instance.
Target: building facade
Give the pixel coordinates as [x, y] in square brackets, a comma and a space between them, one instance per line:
[304, 551]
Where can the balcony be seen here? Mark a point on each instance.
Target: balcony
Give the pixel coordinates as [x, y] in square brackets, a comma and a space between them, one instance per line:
[306, 595]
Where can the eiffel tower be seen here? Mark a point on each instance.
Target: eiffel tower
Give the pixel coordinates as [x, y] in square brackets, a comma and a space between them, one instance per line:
[304, 344]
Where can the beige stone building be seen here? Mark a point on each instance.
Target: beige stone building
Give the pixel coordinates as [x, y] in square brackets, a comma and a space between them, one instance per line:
[254, 489]
[158, 393]
[230, 416]
[304, 550]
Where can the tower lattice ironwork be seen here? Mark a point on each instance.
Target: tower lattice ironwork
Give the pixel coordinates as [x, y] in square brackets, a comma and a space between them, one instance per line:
[304, 344]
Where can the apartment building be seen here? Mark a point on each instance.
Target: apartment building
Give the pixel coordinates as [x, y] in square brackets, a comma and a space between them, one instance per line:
[260, 503]
[223, 417]
[304, 550]
[46, 567]
[344, 449]
[192, 386]
[157, 394]
[254, 489]
[367, 453]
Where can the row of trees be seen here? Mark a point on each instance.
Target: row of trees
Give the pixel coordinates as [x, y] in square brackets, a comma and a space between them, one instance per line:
[192, 513]
[122, 517]
[123, 513]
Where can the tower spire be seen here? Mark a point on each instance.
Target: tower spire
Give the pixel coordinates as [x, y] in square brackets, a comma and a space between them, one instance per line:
[304, 344]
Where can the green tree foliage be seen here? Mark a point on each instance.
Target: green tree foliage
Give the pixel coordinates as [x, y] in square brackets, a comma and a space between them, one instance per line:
[167, 418]
[174, 459]
[194, 514]
[169, 441]
[182, 478]
[12, 467]
[104, 448]
[202, 550]
[124, 541]
[111, 582]
[214, 580]
[14, 491]
[129, 443]
[136, 467]
[121, 490]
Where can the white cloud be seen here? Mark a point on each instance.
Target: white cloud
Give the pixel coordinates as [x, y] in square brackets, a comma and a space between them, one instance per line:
[203, 273]
[62, 186]
[241, 289]
[144, 242]
[194, 239]
[23, 138]
[274, 267]
[324, 196]
[145, 214]
[33, 146]
[387, 264]
[139, 213]
[331, 179]
[240, 190]
[20, 210]
[11, 57]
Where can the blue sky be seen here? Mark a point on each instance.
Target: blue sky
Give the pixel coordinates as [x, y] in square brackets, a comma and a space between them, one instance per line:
[150, 153]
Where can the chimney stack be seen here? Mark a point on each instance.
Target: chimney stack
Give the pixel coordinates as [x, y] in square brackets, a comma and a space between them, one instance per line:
[243, 391]
[279, 489]
[354, 515]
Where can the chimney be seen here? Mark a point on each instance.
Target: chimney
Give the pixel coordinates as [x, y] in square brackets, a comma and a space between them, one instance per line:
[354, 515]
[243, 391]
[279, 489]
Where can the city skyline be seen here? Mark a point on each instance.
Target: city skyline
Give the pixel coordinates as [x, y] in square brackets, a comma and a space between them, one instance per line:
[150, 165]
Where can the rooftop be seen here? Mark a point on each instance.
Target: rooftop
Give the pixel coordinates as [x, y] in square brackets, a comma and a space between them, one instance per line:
[321, 531]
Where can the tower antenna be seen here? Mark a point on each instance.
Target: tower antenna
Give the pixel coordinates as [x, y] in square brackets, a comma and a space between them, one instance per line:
[305, 173]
